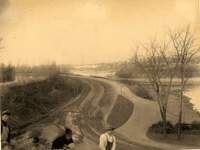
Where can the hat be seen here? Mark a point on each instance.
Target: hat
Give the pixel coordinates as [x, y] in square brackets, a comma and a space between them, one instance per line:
[36, 140]
[68, 130]
[110, 127]
[6, 112]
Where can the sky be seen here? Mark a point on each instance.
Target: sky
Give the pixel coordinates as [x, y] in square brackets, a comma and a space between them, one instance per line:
[85, 31]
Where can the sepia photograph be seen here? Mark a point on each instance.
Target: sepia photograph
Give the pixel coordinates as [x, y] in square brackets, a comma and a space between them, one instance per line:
[100, 74]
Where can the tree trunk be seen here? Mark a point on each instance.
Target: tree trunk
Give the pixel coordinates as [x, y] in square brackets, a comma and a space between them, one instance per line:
[164, 125]
[163, 115]
[181, 99]
[180, 116]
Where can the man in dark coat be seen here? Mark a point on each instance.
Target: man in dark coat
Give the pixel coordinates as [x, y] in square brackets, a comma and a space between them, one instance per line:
[64, 142]
[5, 130]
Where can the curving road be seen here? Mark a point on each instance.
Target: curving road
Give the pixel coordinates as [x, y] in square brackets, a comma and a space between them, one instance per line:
[131, 135]
[87, 115]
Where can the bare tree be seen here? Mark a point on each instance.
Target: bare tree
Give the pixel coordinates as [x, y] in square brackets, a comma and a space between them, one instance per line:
[184, 44]
[155, 62]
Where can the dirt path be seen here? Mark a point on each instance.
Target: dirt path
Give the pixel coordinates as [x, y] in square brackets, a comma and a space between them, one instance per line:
[87, 115]
[144, 115]
[92, 132]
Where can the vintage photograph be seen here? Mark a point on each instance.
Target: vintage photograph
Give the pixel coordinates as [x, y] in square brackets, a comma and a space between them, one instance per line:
[100, 74]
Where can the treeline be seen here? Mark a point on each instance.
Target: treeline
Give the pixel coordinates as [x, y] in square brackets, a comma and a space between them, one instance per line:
[26, 72]
[44, 69]
[65, 68]
[7, 73]
[130, 70]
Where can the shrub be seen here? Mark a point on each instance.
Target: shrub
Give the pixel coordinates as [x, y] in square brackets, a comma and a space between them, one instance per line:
[194, 132]
[140, 91]
[130, 70]
[187, 128]
[184, 127]
[193, 128]
[158, 127]
[7, 73]
[196, 125]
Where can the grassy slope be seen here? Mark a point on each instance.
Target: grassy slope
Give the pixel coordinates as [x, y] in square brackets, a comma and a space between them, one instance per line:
[186, 139]
[32, 102]
[121, 112]
[137, 89]
[47, 128]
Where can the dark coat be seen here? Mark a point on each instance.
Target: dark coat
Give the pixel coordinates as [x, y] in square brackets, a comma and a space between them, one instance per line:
[60, 142]
[3, 123]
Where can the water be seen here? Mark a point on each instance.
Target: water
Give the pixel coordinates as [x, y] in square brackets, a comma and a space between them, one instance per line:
[94, 73]
[193, 92]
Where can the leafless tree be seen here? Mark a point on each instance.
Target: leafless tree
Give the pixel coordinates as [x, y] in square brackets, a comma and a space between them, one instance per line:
[155, 62]
[184, 44]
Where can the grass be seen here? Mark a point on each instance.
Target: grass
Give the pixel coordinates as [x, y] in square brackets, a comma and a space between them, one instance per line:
[121, 112]
[186, 139]
[32, 102]
[137, 89]
[37, 128]
[190, 133]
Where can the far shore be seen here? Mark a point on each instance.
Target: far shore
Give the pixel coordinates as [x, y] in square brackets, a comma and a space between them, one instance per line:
[176, 81]
[164, 80]
[110, 75]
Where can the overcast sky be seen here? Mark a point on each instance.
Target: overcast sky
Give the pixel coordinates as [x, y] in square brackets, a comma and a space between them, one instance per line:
[93, 31]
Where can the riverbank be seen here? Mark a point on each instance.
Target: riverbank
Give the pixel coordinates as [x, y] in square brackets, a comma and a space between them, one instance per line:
[191, 90]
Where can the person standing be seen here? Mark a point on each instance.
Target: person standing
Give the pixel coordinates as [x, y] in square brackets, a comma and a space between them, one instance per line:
[107, 140]
[5, 129]
[65, 141]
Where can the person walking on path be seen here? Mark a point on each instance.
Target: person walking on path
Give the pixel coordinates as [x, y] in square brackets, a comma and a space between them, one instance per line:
[37, 145]
[107, 140]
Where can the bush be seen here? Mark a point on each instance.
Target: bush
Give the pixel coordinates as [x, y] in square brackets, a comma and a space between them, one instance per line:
[193, 128]
[196, 125]
[158, 127]
[188, 128]
[184, 127]
[130, 70]
[7, 73]
[194, 132]
[140, 91]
